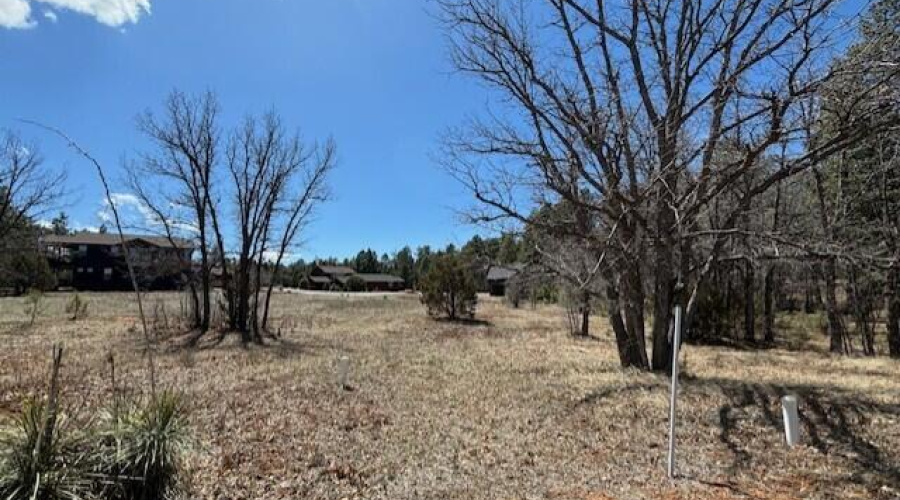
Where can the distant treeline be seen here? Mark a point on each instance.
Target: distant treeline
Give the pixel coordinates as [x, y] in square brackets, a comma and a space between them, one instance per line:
[478, 253]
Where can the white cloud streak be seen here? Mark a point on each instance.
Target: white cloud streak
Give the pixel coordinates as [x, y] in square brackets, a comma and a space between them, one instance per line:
[135, 214]
[114, 13]
[15, 14]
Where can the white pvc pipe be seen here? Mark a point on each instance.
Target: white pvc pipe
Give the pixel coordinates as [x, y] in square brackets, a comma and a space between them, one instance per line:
[343, 371]
[791, 420]
[676, 344]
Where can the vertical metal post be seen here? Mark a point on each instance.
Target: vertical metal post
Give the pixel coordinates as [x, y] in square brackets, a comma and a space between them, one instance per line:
[676, 344]
[791, 420]
[343, 371]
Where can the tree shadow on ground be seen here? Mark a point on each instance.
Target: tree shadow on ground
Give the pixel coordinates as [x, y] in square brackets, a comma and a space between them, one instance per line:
[281, 346]
[833, 422]
[597, 396]
[463, 321]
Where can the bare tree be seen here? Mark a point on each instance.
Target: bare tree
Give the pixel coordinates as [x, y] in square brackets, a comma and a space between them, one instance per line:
[27, 188]
[308, 181]
[277, 183]
[176, 181]
[627, 112]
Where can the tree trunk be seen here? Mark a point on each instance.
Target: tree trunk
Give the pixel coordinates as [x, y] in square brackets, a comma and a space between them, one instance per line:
[205, 286]
[893, 317]
[749, 303]
[769, 306]
[662, 318]
[629, 347]
[634, 313]
[836, 332]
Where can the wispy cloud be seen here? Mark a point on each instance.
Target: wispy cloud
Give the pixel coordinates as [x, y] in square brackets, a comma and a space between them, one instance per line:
[15, 14]
[114, 13]
[136, 215]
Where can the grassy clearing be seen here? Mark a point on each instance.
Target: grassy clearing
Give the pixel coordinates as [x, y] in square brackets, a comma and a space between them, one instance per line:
[512, 408]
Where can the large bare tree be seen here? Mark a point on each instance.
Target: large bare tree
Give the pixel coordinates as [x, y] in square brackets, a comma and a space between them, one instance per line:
[277, 181]
[27, 187]
[176, 181]
[643, 113]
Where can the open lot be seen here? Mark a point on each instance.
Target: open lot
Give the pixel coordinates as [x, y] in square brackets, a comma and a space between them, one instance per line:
[509, 408]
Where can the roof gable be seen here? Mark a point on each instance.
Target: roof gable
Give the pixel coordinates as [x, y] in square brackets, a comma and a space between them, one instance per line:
[113, 239]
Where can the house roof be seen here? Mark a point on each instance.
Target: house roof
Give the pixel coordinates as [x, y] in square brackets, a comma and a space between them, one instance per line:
[380, 278]
[371, 278]
[503, 273]
[336, 270]
[112, 239]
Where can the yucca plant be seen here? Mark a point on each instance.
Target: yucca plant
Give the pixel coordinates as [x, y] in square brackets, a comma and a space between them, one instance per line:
[141, 448]
[41, 458]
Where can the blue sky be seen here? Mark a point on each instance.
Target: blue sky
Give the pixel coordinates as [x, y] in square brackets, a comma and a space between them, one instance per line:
[371, 73]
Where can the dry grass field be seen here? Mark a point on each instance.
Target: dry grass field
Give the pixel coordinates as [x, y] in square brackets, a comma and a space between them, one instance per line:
[510, 408]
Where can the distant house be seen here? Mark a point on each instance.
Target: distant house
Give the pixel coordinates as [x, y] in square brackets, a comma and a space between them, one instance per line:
[498, 277]
[96, 261]
[377, 282]
[326, 277]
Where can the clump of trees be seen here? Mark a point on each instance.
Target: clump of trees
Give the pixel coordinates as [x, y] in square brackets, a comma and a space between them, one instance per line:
[663, 131]
[478, 254]
[28, 189]
[257, 173]
[448, 288]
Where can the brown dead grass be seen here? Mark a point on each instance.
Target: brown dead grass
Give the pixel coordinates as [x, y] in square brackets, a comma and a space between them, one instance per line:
[509, 409]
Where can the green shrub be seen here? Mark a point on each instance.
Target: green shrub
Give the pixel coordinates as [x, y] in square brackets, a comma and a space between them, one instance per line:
[77, 307]
[141, 448]
[41, 458]
[448, 288]
[34, 305]
[355, 284]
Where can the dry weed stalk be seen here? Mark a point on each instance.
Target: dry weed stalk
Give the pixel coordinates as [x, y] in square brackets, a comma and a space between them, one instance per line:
[149, 344]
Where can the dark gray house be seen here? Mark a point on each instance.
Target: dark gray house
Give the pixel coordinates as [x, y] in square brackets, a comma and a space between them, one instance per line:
[327, 277]
[96, 261]
[499, 276]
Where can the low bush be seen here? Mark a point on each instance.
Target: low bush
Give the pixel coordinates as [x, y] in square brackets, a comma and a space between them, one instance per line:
[34, 305]
[448, 289]
[355, 284]
[133, 453]
[141, 448]
[77, 307]
[42, 457]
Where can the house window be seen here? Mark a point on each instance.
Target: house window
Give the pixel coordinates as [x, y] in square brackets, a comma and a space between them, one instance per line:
[82, 248]
[90, 270]
[79, 270]
[107, 273]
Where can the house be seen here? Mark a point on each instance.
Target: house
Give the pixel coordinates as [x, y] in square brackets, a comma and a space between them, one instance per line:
[376, 282]
[96, 261]
[498, 277]
[326, 277]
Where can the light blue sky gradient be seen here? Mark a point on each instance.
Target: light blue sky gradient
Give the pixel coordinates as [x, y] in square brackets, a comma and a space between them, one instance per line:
[371, 73]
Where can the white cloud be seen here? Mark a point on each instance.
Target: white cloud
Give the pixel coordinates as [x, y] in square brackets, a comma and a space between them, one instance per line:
[15, 14]
[109, 12]
[135, 214]
[115, 13]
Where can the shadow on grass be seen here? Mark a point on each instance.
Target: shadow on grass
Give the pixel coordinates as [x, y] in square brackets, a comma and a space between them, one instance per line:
[833, 422]
[463, 321]
[229, 341]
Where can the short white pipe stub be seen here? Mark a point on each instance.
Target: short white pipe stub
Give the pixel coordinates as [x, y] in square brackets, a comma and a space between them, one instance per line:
[791, 420]
[343, 371]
